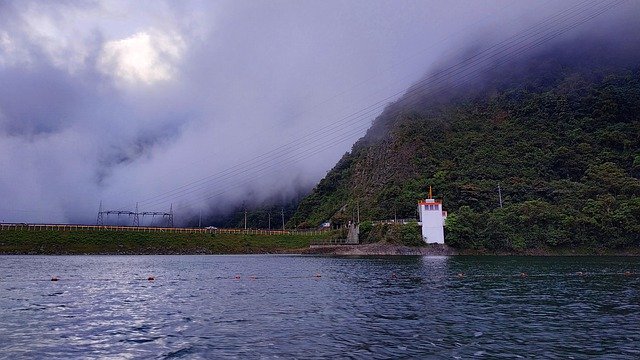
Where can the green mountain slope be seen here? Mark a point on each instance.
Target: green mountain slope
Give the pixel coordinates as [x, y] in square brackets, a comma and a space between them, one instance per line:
[558, 131]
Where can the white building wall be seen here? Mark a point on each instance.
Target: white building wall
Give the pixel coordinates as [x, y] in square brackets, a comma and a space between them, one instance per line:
[432, 218]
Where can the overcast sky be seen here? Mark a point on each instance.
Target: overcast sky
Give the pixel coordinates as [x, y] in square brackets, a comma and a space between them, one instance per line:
[200, 104]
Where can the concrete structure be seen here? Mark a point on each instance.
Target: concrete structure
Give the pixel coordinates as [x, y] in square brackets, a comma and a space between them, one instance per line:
[432, 220]
[353, 237]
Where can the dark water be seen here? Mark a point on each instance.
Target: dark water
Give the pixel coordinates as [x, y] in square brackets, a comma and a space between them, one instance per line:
[401, 307]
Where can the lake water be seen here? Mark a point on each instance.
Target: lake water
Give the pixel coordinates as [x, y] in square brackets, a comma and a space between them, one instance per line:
[319, 307]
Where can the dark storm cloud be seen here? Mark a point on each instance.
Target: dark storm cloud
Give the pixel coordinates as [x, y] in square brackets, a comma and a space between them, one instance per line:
[154, 102]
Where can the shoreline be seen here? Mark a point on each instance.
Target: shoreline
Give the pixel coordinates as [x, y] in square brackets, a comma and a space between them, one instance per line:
[380, 249]
[52, 242]
[376, 249]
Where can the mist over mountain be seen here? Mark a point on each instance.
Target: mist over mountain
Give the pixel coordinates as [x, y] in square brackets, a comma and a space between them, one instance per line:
[202, 107]
[162, 103]
[556, 127]
[261, 212]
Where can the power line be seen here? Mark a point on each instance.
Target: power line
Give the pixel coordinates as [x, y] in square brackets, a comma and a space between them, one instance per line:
[261, 173]
[309, 151]
[284, 150]
[415, 89]
[284, 146]
[537, 43]
[458, 69]
[404, 59]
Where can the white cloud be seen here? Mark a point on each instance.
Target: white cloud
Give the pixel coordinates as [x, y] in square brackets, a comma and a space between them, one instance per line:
[58, 34]
[145, 57]
[10, 52]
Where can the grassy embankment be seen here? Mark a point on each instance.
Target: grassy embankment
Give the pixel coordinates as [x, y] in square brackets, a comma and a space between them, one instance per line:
[124, 242]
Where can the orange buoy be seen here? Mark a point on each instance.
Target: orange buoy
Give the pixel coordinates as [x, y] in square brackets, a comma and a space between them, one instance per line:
[237, 277]
[54, 279]
[151, 278]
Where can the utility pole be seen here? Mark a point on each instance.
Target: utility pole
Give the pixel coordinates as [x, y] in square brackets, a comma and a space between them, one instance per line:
[282, 219]
[200, 220]
[245, 219]
[269, 220]
[500, 195]
[358, 206]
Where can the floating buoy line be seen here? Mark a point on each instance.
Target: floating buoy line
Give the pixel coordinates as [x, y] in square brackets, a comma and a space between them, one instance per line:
[392, 276]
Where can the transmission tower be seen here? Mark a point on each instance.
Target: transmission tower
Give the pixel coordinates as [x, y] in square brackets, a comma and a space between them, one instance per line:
[136, 218]
[169, 216]
[100, 219]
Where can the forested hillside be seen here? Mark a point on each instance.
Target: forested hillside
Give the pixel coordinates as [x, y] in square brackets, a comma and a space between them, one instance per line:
[558, 131]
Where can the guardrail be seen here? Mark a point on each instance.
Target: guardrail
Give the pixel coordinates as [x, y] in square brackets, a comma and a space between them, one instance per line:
[330, 242]
[399, 221]
[64, 227]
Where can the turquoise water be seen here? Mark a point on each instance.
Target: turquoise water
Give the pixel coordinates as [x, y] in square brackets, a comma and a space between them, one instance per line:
[268, 306]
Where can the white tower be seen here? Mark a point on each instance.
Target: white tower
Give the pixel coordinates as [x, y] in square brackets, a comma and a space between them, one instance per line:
[432, 220]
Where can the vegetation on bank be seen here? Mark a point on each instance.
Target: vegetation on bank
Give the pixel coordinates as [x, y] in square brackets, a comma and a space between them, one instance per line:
[559, 135]
[126, 242]
[388, 239]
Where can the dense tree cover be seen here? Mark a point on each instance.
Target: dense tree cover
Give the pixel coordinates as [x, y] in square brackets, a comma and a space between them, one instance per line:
[563, 145]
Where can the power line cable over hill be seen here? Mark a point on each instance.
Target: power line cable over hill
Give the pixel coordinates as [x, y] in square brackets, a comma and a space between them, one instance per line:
[464, 72]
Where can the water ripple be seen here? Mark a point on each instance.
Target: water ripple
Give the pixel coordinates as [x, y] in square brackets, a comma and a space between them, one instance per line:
[361, 308]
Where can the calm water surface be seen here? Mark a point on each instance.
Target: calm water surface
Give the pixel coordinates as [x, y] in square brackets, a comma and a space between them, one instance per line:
[319, 307]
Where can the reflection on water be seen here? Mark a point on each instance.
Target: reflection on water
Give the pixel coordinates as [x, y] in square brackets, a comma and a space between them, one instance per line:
[317, 307]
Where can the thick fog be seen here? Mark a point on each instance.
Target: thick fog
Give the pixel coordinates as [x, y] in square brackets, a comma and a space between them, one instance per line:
[204, 105]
